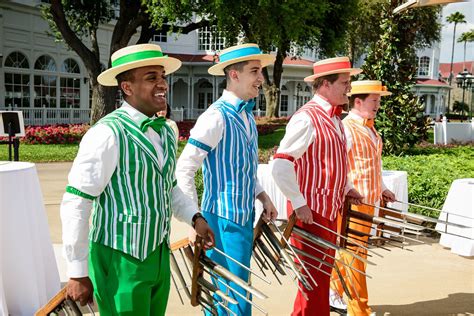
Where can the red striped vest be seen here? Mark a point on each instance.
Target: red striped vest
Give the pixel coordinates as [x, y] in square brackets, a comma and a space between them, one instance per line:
[322, 170]
[364, 159]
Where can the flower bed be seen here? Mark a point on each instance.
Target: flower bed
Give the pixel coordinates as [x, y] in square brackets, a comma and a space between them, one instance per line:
[55, 134]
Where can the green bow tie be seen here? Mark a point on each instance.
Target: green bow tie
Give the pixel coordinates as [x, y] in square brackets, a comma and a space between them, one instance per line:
[156, 124]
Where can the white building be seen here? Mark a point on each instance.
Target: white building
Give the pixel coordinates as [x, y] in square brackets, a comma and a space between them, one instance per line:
[429, 85]
[51, 85]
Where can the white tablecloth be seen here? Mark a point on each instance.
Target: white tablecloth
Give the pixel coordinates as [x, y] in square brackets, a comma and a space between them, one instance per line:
[460, 207]
[396, 181]
[28, 272]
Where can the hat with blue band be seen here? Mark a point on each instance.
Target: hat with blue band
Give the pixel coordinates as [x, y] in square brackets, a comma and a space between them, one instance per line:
[240, 53]
[136, 56]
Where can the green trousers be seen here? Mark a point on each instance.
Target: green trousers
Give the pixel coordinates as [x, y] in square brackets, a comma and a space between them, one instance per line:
[124, 285]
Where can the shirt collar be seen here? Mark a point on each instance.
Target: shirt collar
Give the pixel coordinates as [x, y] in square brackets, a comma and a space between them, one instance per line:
[236, 102]
[355, 116]
[323, 102]
[137, 116]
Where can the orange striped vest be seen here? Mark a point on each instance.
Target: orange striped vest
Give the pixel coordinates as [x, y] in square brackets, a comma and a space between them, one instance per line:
[322, 170]
[365, 164]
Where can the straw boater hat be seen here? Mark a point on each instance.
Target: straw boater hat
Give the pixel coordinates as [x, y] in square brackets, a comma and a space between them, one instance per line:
[332, 66]
[137, 56]
[369, 87]
[239, 53]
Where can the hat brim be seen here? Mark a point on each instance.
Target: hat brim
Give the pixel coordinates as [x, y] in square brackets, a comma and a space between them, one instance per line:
[218, 69]
[352, 71]
[108, 77]
[381, 93]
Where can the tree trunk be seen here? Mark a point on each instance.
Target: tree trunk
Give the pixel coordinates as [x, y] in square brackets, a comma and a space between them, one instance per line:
[103, 101]
[272, 94]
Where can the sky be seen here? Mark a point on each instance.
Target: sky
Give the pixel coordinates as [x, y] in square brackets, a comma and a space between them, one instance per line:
[466, 8]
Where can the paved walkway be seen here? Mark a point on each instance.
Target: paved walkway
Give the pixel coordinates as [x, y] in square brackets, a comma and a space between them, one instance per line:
[424, 280]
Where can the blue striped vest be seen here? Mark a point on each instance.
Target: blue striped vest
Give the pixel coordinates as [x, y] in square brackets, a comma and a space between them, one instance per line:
[230, 169]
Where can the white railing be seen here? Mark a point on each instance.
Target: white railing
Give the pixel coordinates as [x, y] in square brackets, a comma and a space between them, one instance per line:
[177, 115]
[48, 116]
[447, 133]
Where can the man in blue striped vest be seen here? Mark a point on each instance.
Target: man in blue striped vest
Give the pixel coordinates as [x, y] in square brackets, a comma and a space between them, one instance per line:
[224, 141]
[124, 171]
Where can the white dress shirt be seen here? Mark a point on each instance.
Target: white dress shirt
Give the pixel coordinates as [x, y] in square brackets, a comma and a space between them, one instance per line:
[209, 129]
[299, 135]
[91, 171]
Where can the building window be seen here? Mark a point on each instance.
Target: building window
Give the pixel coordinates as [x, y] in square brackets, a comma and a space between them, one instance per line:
[17, 60]
[45, 82]
[160, 36]
[17, 81]
[204, 94]
[210, 39]
[284, 103]
[424, 66]
[70, 85]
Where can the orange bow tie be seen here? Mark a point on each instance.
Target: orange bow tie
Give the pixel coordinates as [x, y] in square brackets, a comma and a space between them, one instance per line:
[369, 123]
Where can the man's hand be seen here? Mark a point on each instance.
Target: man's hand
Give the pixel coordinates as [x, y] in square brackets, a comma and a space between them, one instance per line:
[192, 236]
[205, 232]
[388, 196]
[269, 210]
[80, 290]
[354, 197]
[304, 214]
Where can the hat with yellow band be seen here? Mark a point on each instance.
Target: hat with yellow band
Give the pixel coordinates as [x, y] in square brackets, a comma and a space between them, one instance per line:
[369, 87]
[136, 56]
[237, 54]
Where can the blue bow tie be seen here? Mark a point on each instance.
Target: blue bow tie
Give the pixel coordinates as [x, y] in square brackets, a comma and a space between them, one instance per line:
[247, 106]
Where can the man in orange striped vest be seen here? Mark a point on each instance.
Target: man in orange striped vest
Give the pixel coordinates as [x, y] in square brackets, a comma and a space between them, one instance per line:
[364, 154]
[310, 168]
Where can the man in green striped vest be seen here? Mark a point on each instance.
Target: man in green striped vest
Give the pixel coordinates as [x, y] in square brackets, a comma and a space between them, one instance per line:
[124, 172]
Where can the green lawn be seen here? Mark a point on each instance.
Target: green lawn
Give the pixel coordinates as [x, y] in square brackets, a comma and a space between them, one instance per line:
[43, 153]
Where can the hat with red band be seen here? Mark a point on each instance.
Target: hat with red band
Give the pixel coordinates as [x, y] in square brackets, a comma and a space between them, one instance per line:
[330, 66]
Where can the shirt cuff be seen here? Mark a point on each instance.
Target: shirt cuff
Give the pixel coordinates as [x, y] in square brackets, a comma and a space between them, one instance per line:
[77, 269]
[298, 202]
[349, 186]
[258, 189]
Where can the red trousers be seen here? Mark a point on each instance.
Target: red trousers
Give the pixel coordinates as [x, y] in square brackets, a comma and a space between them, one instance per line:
[318, 299]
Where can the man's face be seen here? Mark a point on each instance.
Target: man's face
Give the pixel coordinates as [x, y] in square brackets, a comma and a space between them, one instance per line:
[367, 108]
[337, 91]
[147, 90]
[248, 80]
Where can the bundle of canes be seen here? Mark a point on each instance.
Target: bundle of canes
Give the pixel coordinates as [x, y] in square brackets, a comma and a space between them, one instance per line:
[61, 305]
[201, 281]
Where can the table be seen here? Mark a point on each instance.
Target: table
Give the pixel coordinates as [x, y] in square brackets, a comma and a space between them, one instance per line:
[459, 205]
[28, 272]
[395, 180]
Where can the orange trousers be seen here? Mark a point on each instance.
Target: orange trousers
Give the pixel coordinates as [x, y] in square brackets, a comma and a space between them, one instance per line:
[355, 281]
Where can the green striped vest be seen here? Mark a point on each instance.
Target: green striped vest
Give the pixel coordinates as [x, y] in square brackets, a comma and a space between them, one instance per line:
[133, 213]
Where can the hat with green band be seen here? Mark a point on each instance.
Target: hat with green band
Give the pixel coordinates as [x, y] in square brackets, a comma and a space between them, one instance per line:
[136, 56]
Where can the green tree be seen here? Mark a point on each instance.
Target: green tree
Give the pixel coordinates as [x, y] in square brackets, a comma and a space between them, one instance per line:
[78, 22]
[287, 27]
[466, 37]
[456, 18]
[400, 120]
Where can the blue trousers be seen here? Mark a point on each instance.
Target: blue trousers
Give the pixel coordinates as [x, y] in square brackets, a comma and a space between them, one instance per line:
[236, 241]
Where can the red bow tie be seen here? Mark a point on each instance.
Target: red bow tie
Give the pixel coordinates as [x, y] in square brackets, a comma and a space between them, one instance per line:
[335, 110]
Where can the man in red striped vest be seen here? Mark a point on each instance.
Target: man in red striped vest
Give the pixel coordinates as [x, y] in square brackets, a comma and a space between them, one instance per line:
[310, 168]
[364, 154]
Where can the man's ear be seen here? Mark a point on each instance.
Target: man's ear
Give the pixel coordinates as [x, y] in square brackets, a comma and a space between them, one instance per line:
[233, 74]
[126, 87]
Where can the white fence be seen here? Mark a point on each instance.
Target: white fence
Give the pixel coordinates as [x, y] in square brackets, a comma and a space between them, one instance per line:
[447, 133]
[49, 116]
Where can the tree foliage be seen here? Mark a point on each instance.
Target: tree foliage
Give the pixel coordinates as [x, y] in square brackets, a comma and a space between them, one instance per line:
[400, 120]
[77, 23]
